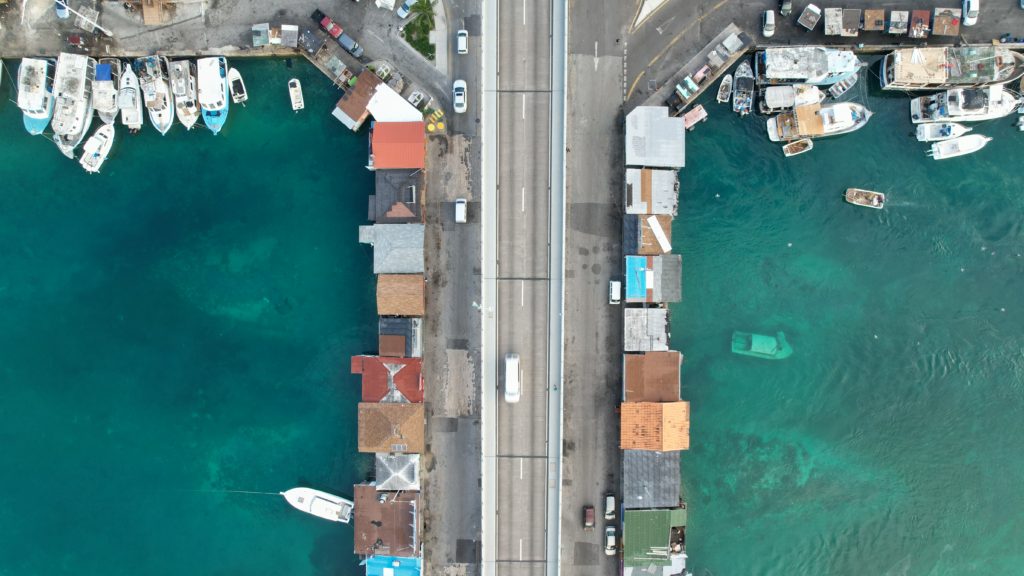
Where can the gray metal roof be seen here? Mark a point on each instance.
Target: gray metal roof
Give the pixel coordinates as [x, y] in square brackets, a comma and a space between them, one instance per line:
[654, 139]
[396, 197]
[397, 472]
[650, 479]
[660, 196]
[668, 278]
[397, 248]
[646, 329]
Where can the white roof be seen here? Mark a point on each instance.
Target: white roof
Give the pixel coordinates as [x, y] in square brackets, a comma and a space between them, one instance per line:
[807, 62]
[32, 83]
[386, 105]
[654, 139]
[792, 95]
[660, 197]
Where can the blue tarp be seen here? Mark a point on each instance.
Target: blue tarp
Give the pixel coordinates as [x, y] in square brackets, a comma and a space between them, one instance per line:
[636, 277]
[399, 566]
[103, 71]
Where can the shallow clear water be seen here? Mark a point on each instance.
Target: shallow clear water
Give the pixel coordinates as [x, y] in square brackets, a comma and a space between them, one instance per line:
[889, 443]
[177, 326]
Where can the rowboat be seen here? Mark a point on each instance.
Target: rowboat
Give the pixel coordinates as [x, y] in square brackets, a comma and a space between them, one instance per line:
[865, 198]
[798, 147]
[725, 89]
[841, 87]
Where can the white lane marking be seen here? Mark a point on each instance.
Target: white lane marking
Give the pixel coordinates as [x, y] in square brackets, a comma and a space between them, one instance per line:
[522, 302]
[520, 549]
[595, 55]
[520, 468]
[523, 197]
[524, 12]
[524, 106]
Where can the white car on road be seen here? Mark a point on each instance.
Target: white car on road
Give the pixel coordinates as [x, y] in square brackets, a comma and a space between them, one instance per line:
[459, 96]
[970, 12]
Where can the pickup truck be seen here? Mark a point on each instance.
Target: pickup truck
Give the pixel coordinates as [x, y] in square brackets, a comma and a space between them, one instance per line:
[328, 25]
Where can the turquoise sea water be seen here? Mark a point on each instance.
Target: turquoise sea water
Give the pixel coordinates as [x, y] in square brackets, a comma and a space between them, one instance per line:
[889, 443]
[177, 326]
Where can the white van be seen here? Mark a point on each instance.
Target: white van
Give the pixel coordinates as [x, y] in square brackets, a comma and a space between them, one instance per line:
[609, 506]
[460, 210]
[462, 42]
[614, 292]
[513, 378]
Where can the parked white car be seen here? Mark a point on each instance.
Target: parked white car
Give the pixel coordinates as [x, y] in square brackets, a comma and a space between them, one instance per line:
[459, 96]
[768, 23]
[462, 42]
[971, 10]
[405, 8]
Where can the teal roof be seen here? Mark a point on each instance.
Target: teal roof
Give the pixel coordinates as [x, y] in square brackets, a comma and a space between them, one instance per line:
[646, 535]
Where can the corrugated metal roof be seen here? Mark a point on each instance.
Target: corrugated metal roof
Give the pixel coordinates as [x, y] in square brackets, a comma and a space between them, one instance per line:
[650, 191]
[647, 536]
[645, 329]
[654, 139]
[650, 479]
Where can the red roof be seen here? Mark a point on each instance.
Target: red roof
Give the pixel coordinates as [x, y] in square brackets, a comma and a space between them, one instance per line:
[390, 379]
[398, 145]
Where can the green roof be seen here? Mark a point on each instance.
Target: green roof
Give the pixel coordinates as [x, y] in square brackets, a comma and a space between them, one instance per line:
[646, 533]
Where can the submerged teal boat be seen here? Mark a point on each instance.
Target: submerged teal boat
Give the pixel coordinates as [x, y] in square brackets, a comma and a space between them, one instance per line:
[760, 346]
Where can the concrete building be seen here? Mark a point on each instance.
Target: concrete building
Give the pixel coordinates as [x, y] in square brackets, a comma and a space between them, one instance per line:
[397, 248]
[391, 428]
[654, 542]
[654, 279]
[397, 197]
[654, 139]
[387, 523]
[651, 376]
[401, 295]
[650, 479]
[397, 472]
[650, 191]
[400, 337]
[647, 234]
[660, 426]
[645, 329]
[395, 145]
[390, 379]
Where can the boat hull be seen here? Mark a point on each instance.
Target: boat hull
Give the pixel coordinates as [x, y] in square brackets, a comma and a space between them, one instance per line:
[214, 97]
[320, 504]
[958, 146]
[760, 346]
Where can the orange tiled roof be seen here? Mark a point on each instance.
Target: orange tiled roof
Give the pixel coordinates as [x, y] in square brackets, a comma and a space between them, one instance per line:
[659, 426]
[399, 145]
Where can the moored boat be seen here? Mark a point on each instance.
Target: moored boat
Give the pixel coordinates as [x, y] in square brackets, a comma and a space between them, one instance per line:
[936, 131]
[958, 146]
[295, 94]
[212, 83]
[964, 105]
[129, 100]
[775, 99]
[96, 148]
[238, 93]
[104, 89]
[798, 147]
[156, 92]
[818, 121]
[183, 87]
[865, 198]
[930, 68]
[72, 112]
[761, 346]
[725, 89]
[843, 86]
[35, 93]
[320, 504]
[804, 65]
[743, 89]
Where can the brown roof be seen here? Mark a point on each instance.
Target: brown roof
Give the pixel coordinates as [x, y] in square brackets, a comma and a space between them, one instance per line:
[652, 376]
[660, 426]
[392, 345]
[391, 428]
[353, 102]
[388, 528]
[400, 295]
[153, 12]
[398, 145]
[649, 245]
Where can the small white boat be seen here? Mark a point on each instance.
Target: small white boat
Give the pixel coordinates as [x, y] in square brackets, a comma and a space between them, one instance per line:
[295, 93]
[958, 146]
[865, 198]
[798, 147]
[237, 86]
[96, 148]
[841, 87]
[129, 100]
[936, 131]
[964, 105]
[320, 504]
[725, 89]
[183, 87]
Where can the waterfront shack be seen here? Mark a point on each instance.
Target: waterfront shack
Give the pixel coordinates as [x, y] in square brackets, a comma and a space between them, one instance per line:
[654, 139]
[390, 428]
[401, 295]
[650, 479]
[386, 522]
[653, 542]
[650, 191]
[397, 197]
[397, 472]
[400, 337]
[397, 145]
[645, 329]
[654, 279]
[657, 426]
[389, 379]
[647, 235]
[397, 248]
[651, 376]
[381, 565]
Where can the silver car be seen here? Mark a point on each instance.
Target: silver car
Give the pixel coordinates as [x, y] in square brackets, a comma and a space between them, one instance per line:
[459, 96]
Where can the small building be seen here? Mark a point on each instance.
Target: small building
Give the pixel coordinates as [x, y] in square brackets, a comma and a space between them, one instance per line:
[647, 235]
[386, 522]
[401, 295]
[393, 565]
[397, 145]
[260, 35]
[397, 248]
[391, 428]
[650, 479]
[397, 197]
[651, 191]
[654, 278]
[387, 105]
[651, 376]
[398, 472]
[654, 542]
[310, 42]
[390, 379]
[659, 426]
[645, 329]
[351, 108]
[400, 337]
[654, 139]
[289, 35]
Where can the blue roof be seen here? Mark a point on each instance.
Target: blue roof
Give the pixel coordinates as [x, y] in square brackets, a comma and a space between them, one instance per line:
[636, 279]
[376, 565]
[103, 71]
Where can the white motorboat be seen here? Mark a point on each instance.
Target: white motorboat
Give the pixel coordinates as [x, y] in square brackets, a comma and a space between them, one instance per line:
[104, 89]
[958, 146]
[805, 65]
[156, 92]
[725, 89]
[936, 131]
[212, 84]
[964, 105]
[35, 93]
[817, 121]
[320, 504]
[183, 86]
[295, 94]
[129, 100]
[96, 148]
[72, 113]
[743, 89]
[238, 93]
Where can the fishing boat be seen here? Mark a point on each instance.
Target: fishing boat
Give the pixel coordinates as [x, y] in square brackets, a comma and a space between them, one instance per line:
[798, 147]
[129, 100]
[35, 93]
[964, 105]
[156, 92]
[958, 146]
[743, 90]
[725, 89]
[775, 99]
[843, 86]
[936, 131]
[320, 504]
[816, 65]
[72, 112]
[238, 93]
[931, 68]
[865, 198]
[212, 83]
[818, 121]
[183, 86]
[96, 148]
[695, 116]
[295, 94]
[760, 346]
[104, 89]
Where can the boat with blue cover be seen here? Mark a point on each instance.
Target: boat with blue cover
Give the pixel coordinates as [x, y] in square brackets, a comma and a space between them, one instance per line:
[35, 93]
[761, 346]
[213, 91]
